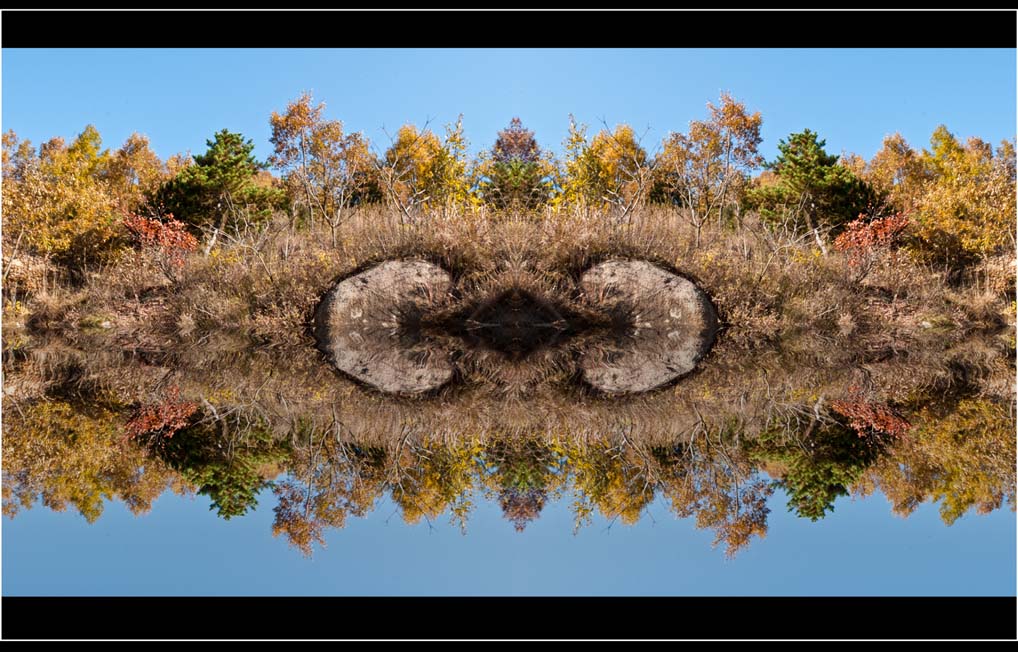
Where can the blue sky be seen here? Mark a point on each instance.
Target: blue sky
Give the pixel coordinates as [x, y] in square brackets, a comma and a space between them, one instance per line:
[182, 548]
[179, 98]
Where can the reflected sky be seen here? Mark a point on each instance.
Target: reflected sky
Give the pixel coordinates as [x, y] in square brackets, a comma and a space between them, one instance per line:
[182, 548]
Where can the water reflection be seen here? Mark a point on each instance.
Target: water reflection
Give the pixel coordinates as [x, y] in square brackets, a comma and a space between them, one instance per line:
[815, 384]
[78, 450]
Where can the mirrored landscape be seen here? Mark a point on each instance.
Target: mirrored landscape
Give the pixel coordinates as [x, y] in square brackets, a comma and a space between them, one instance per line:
[818, 384]
[595, 336]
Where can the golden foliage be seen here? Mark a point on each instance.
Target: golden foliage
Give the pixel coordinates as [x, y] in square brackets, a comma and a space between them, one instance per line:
[960, 195]
[326, 170]
[611, 170]
[605, 476]
[963, 458]
[66, 454]
[704, 170]
[428, 479]
[58, 202]
[420, 171]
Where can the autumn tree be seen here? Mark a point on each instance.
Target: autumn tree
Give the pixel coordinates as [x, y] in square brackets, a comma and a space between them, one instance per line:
[23, 199]
[718, 487]
[706, 170]
[575, 179]
[967, 211]
[960, 454]
[427, 478]
[134, 172]
[897, 172]
[818, 467]
[220, 187]
[57, 202]
[809, 187]
[516, 173]
[610, 478]
[612, 170]
[420, 171]
[522, 474]
[326, 170]
[64, 452]
[328, 481]
[958, 196]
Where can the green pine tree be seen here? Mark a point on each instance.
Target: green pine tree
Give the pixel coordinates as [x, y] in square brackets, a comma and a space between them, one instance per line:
[219, 186]
[222, 460]
[812, 187]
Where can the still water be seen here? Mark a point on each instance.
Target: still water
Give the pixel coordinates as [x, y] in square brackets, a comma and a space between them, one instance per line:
[609, 438]
[182, 548]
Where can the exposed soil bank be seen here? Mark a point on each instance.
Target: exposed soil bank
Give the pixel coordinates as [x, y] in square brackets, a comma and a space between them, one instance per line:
[674, 324]
[357, 325]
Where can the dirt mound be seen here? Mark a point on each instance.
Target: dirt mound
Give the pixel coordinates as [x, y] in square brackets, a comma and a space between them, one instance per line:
[357, 325]
[369, 325]
[674, 324]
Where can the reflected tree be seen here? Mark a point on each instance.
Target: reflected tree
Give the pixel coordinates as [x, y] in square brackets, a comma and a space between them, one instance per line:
[612, 479]
[64, 451]
[522, 474]
[228, 460]
[426, 478]
[817, 466]
[961, 455]
[327, 481]
[713, 481]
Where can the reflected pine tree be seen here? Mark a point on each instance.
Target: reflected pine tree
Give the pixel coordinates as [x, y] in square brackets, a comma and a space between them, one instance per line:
[81, 453]
[229, 460]
[817, 466]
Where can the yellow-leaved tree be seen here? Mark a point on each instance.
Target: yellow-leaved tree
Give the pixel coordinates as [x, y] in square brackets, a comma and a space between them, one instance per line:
[962, 457]
[612, 170]
[65, 454]
[67, 202]
[56, 202]
[706, 170]
[419, 171]
[429, 478]
[326, 170]
[134, 172]
[968, 209]
[961, 196]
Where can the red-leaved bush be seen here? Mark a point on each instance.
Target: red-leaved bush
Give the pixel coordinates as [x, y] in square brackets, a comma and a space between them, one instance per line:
[165, 417]
[168, 235]
[862, 236]
[867, 416]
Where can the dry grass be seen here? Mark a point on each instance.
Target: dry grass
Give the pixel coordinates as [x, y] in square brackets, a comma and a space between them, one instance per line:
[233, 329]
[232, 332]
